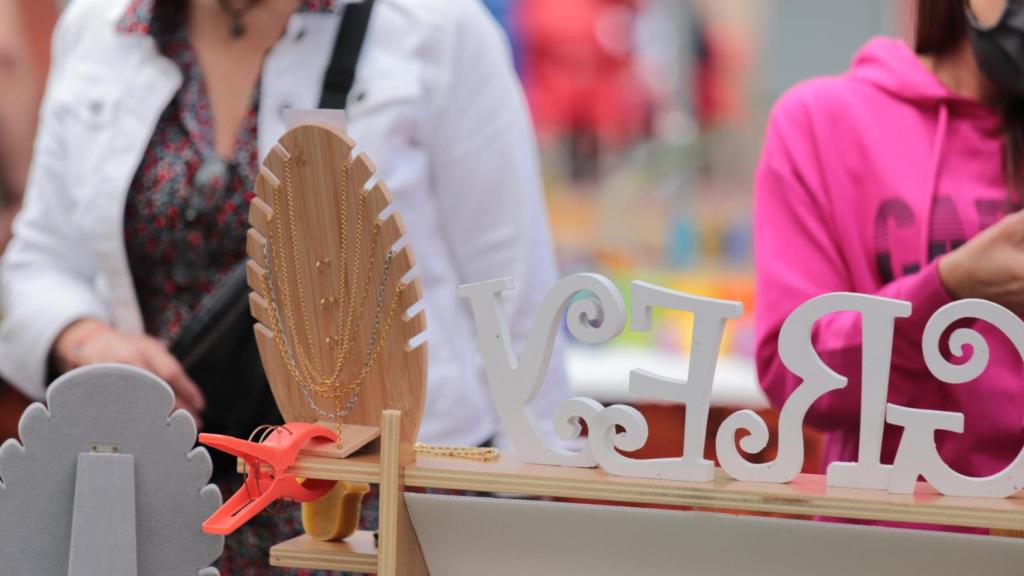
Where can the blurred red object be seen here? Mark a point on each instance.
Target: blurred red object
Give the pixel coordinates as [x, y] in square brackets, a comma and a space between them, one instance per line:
[719, 82]
[25, 30]
[12, 404]
[578, 68]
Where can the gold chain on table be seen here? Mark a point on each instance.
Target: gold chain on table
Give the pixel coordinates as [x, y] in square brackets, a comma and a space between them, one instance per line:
[466, 452]
[305, 373]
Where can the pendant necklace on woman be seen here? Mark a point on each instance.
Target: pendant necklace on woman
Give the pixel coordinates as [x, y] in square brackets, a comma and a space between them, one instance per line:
[237, 15]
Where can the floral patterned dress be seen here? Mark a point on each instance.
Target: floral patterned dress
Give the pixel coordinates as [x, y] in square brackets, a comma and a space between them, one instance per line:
[185, 223]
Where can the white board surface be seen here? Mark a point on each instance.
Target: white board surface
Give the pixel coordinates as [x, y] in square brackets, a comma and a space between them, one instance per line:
[463, 536]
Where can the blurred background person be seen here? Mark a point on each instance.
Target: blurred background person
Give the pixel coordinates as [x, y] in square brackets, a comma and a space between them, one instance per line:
[902, 178]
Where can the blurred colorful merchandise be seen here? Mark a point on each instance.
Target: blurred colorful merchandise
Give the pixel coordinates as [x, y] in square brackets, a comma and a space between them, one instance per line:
[617, 231]
[672, 331]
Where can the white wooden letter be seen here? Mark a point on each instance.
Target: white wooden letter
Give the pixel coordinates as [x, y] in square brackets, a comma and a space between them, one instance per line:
[796, 350]
[876, 359]
[709, 317]
[604, 439]
[595, 317]
[917, 453]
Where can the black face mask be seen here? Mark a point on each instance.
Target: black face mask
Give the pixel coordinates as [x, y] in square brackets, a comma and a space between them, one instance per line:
[999, 50]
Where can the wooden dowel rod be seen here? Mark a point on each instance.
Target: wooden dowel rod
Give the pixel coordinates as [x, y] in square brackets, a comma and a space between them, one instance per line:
[399, 551]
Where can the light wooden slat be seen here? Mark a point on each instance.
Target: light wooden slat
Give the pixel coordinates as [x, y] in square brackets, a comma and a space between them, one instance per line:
[391, 231]
[260, 216]
[362, 170]
[808, 495]
[259, 309]
[357, 553]
[354, 438]
[265, 185]
[254, 276]
[390, 495]
[377, 200]
[400, 553]
[419, 321]
[357, 468]
[255, 245]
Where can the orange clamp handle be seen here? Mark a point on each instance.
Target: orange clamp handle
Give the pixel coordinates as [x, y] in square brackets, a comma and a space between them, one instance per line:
[262, 486]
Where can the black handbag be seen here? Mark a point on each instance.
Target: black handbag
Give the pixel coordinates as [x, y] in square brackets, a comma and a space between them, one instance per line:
[217, 347]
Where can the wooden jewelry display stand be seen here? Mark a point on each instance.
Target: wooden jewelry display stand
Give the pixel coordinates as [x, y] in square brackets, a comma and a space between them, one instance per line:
[329, 291]
[336, 335]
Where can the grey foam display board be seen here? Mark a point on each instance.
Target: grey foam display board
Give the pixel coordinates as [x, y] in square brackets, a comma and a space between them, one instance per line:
[107, 406]
[103, 522]
[462, 536]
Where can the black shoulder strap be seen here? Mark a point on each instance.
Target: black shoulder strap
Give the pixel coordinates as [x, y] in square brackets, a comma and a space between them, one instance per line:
[341, 72]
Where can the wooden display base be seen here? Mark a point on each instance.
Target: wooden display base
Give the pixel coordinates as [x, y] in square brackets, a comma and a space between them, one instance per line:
[359, 444]
[357, 553]
[353, 438]
[394, 467]
[383, 463]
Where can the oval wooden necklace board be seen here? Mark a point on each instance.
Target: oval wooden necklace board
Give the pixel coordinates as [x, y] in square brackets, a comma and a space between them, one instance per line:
[326, 274]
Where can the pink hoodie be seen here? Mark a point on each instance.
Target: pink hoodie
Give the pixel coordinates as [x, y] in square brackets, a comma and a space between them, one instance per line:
[865, 179]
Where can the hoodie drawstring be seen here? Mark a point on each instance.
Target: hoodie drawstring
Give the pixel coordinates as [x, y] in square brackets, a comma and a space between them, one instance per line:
[933, 175]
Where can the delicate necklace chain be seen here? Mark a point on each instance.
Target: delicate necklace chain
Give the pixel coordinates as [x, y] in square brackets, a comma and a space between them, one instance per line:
[466, 452]
[306, 369]
[312, 368]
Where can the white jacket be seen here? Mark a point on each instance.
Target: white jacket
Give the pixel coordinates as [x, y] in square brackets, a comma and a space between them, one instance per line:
[437, 107]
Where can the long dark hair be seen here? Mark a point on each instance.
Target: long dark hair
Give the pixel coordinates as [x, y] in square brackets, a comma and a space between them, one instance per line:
[941, 27]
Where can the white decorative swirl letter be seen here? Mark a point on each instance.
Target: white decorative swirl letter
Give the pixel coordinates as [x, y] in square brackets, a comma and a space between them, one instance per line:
[595, 318]
[796, 350]
[709, 317]
[917, 453]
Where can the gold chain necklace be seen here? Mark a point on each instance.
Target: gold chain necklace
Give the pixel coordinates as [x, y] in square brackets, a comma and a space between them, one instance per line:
[306, 370]
[466, 452]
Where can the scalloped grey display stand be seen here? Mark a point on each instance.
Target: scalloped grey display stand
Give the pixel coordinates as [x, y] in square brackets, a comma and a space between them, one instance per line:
[106, 430]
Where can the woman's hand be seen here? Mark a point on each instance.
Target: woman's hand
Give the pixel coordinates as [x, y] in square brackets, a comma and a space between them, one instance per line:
[990, 265]
[92, 341]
